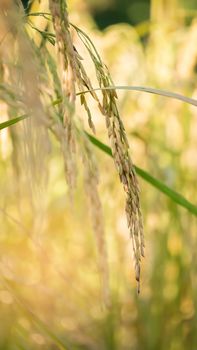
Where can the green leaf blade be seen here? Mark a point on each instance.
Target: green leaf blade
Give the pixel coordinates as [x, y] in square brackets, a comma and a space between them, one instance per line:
[169, 192]
[13, 121]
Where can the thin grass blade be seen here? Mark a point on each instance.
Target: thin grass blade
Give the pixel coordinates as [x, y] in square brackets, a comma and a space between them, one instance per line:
[150, 90]
[12, 121]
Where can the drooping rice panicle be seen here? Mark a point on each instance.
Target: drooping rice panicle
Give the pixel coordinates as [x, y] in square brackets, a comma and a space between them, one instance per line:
[67, 63]
[73, 72]
[120, 151]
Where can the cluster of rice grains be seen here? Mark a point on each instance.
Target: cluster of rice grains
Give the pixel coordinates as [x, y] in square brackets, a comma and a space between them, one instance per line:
[72, 72]
[116, 132]
[66, 75]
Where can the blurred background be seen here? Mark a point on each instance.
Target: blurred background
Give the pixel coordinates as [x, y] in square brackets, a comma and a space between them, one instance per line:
[50, 293]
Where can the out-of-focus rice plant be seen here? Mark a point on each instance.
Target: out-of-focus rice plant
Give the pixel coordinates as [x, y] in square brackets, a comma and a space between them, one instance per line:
[51, 294]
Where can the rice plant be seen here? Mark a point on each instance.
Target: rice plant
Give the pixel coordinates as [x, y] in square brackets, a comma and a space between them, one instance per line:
[50, 96]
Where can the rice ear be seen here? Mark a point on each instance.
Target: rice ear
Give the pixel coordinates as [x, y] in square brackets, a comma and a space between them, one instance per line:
[120, 152]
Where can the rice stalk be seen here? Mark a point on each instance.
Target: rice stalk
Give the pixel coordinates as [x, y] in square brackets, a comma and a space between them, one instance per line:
[71, 62]
[68, 72]
[120, 152]
[116, 133]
